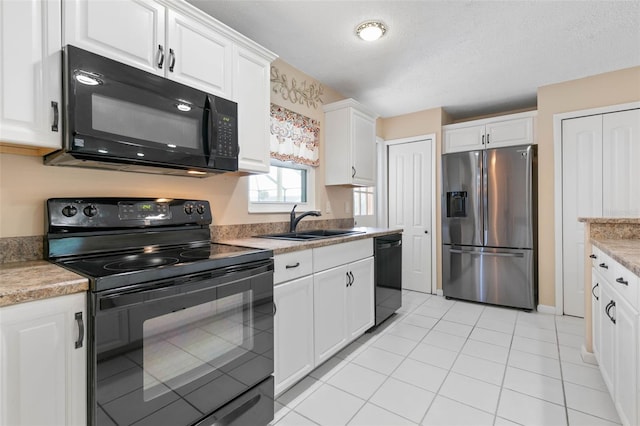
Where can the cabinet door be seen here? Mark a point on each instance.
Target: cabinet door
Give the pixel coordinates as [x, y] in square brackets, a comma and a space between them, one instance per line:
[465, 139]
[360, 297]
[43, 375]
[197, 56]
[620, 159]
[596, 317]
[509, 133]
[363, 149]
[626, 362]
[30, 73]
[608, 334]
[293, 332]
[251, 91]
[329, 312]
[129, 31]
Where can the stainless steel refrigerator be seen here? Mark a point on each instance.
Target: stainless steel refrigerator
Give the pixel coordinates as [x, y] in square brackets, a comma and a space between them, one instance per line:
[489, 226]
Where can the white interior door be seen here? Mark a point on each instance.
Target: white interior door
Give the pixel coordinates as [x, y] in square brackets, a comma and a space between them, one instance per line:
[581, 197]
[410, 208]
[620, 159]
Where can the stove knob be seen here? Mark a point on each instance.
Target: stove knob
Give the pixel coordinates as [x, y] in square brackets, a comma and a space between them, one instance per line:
[200, 208]
[188, 208]
[90, 211]
[69, 211]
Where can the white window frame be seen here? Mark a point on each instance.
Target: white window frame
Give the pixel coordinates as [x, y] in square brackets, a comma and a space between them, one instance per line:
[286, 207]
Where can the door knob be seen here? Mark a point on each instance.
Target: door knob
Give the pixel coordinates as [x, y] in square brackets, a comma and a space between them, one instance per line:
[426, 232]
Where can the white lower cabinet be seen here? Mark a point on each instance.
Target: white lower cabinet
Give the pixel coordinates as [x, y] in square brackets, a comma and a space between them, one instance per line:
[324, 299]
[293, 331]
[616, 334]
[42, 365]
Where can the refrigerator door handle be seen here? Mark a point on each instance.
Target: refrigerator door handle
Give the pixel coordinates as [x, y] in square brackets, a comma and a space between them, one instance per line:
[485, 197]
[486, 253]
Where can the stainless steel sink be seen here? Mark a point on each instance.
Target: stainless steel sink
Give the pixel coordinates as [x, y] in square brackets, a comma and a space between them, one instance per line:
[315, 234]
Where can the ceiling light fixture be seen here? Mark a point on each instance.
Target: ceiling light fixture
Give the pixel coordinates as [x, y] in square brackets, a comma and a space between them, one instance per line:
[371, 30]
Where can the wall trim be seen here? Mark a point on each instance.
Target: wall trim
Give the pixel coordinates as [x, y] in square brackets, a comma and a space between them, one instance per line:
[433, 141]
[546, 309]
[557, 199]
[587, 356]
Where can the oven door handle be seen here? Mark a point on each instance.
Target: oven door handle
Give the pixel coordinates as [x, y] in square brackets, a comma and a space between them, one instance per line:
[144, 293]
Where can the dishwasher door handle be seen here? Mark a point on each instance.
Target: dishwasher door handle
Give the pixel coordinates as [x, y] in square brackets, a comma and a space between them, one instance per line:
[389, 245]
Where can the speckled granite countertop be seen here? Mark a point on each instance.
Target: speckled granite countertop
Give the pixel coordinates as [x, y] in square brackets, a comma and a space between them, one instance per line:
[39, 279]
[633, 220]
[625, 252]
[34, 280]
[286, 246]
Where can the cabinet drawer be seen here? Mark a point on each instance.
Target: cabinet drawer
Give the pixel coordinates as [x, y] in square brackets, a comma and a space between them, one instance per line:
[605, 265]
[340, 254]
[289, 266]
[626, 283]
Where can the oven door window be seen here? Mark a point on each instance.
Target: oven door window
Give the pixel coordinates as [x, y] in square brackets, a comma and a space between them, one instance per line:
[183, 346]
[176, 353]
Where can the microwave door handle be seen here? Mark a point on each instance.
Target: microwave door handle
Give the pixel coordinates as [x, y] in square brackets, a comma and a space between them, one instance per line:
[213, 129]
[206, 131]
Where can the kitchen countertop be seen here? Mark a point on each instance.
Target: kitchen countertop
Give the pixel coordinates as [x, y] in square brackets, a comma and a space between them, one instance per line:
[624, 251]
[34, 280]
[287, 246]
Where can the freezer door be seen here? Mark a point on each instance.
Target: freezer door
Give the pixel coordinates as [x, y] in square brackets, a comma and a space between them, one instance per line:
[508, 213]
[490, 275]
[461, 198]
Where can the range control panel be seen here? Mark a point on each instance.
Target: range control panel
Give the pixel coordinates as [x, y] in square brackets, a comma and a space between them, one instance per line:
[125, 212]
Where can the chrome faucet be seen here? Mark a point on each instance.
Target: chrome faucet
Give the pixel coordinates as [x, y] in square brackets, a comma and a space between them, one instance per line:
[294, 220]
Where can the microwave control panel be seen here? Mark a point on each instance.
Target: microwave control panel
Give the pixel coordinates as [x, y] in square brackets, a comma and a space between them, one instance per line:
[227, 138]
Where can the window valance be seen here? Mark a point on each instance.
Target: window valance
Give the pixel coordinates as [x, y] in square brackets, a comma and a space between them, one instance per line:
[294, 137]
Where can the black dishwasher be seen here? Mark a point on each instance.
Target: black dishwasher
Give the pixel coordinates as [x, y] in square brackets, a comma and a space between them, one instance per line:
[388, 275]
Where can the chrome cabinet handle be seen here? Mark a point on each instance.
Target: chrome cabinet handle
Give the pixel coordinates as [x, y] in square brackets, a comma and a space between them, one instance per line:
[295, 265]
[593, 289]
[353, 279]
[622, 281]
[487, 138]
[348, 279]
[172, 55]
[56, 116]
[160, 56]
[603, 265]
[353, 172]
[482, 139]
[593, 256]
[80, 323]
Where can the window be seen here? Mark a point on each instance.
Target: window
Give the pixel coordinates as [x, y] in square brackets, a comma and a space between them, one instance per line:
[364, 206]
[286, 184]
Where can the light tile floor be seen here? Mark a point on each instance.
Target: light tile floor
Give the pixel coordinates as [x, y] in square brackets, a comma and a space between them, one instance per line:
[445, 362]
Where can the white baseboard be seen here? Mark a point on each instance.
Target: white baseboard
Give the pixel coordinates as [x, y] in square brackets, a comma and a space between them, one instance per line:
[545, 309]
[587, 356]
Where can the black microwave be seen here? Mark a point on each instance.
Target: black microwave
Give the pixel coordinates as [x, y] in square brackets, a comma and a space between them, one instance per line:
[122, 118]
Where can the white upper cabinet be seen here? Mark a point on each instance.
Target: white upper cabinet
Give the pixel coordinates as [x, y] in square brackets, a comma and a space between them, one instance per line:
[252, 92]
[198, 56]
[128, 31]
[496, 132]
[173, 39]
[350, 144]
[30, 73]
[154, 38]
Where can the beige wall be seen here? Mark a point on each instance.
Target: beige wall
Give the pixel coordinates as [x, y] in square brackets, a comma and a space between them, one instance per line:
[416, 124]
[25, 183]
[611, 88]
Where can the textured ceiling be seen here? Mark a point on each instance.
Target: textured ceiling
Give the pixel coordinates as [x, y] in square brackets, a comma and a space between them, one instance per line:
[470, 57]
